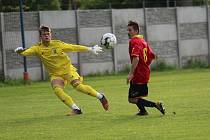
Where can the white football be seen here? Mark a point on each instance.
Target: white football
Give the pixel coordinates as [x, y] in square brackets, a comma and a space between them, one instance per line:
[108, 40]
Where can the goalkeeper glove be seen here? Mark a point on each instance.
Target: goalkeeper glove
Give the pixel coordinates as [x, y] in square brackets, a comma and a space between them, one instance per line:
[95, 49]
[19, 49]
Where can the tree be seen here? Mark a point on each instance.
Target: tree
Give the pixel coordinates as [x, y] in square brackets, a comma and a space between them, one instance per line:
[9, 5]
[34, 5]
[184, 2]
[101, 4]
[43, 4]
[65, 4]
[29, 5]
[97, 4]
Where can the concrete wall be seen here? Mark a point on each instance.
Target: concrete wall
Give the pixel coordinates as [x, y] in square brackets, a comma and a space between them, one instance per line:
[92, 25]
[193, 34]
[177, 35]
[162, 33]
[12, 40]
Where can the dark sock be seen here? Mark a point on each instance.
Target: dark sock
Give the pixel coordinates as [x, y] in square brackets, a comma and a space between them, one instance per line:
[141, 107]
[146, 103]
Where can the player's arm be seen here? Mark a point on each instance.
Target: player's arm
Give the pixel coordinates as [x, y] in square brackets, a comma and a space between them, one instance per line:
[136, 51]
[134, 64]
[150, 55]
[151, 52]
[26, 52]
[80, 48]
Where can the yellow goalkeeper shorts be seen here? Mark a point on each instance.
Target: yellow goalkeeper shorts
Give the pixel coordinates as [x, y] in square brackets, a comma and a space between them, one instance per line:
[68, 78]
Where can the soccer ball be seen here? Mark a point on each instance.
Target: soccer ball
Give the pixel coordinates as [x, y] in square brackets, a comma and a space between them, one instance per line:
[108, 40]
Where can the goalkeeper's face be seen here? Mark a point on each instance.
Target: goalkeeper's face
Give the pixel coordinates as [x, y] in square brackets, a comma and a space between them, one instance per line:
[46, 36]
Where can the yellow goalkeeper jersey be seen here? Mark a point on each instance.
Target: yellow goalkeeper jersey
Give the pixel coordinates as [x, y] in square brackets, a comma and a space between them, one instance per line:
[54, 57]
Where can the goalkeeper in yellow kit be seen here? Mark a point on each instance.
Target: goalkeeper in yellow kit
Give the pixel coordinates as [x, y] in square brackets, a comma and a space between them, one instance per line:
[57, 63]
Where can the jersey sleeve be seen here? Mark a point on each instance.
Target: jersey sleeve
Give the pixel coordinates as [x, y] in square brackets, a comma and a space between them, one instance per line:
[73, 47]
[29, 51]
[136, 51]
[151, 55]
[151, 52]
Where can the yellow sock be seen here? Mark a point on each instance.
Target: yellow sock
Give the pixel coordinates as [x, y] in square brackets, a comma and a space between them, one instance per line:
[63, 96]
[87, 90]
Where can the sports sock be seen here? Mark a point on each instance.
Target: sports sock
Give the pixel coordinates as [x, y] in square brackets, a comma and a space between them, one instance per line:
[63, 96]
[146, 103]
[141, 107]
[87, 90]
[74, 106]
[99, 95]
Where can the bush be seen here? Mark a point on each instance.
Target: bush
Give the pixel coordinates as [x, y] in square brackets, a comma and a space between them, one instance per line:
[125, 70]
[161, 65]
[12, 82]
[196, 63]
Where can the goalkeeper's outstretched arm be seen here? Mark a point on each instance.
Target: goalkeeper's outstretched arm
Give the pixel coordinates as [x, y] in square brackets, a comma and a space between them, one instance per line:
[25, 52]
[79, 48]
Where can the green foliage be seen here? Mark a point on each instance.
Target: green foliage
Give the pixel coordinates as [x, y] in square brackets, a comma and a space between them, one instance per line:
[9, 5]
[34, 5]
[195, 63]
[125, 70]
[161, 65]
[104, 4]
[65, 4]
[55, 5]
[94, 4]
[43, 4]
[101, 4]
[118, 4]
[199, 2]
[105, 73]
[1, 78]
[7, 81]
[29, 5]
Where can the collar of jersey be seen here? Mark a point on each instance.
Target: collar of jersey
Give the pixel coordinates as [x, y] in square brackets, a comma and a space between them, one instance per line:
[43, 44]
[138, 36]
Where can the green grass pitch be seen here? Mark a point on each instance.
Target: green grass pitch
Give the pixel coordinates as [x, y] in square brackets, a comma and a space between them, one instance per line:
[34, 113]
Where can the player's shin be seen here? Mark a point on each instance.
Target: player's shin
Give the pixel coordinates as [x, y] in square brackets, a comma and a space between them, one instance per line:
[64, 97]
[146, 103]
[90, 91]
[87, 90]
[141, 107]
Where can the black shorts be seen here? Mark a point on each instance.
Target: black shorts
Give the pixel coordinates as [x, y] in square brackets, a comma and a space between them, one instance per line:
[137, 90]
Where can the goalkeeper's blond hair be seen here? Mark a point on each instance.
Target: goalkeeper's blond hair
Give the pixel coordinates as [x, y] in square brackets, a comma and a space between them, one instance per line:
[44, 28]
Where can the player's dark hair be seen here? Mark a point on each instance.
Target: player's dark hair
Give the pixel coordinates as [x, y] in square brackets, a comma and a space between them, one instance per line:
[44, 28]
[134, 24]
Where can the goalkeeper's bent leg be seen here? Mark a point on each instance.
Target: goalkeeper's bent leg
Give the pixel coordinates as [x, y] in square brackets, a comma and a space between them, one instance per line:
[64, 97]
[90, 91]
[87, 90]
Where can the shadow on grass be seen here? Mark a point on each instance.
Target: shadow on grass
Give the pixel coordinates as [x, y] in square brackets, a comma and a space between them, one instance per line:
[136, 117]
[32, 120]
[89, 117]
